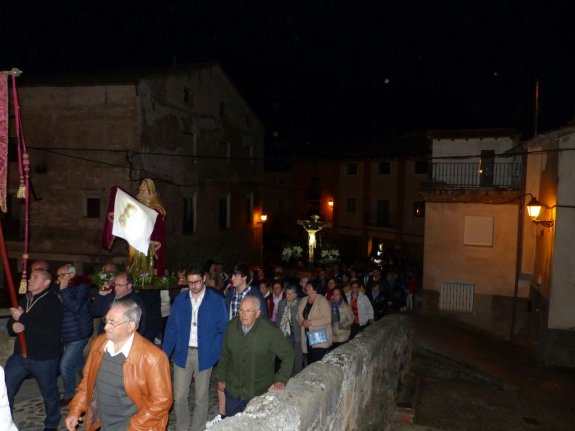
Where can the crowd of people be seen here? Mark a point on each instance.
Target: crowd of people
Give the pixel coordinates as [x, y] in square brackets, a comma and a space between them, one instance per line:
[253, 330]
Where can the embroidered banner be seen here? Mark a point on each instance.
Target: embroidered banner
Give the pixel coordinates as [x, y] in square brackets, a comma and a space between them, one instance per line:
[133, 221]
[3, 139]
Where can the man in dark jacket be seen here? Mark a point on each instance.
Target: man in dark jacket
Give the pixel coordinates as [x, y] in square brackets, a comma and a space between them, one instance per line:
[122, 289]
[77, 326]
[247, 365]
[39, 316]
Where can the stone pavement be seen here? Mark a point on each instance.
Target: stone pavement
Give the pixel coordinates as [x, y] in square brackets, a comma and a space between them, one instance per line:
[29, 408]
[472, 381]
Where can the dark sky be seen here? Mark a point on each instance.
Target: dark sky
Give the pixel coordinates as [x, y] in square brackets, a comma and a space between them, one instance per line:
[328, 70]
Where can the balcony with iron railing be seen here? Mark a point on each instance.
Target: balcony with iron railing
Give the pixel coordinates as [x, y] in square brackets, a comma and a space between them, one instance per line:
[476, 175]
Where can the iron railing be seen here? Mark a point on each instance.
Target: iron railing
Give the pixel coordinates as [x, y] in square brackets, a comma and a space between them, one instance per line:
[464, 175]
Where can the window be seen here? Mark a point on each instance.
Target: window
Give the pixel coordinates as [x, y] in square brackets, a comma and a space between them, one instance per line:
[419, 209]
[351, 205]
[421, 167]
[92, 206]
[224, 213]
[383, 168]
[487, 167]
[352, 168]
[382, 212]
[189, 216]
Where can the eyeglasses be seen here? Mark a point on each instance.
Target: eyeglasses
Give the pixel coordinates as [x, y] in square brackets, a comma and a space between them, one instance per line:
[112, 323]
[63, 274]
[191, 283]
[121, 285]
[246, 311]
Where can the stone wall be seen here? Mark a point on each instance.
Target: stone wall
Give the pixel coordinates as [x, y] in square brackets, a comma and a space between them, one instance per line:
[355, 387]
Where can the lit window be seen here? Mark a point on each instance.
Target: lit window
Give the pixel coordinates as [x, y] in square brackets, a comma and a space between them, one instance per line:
[419, 209]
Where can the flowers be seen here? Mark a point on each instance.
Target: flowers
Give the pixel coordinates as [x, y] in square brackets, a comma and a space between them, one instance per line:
[329, 256]
[290, 253]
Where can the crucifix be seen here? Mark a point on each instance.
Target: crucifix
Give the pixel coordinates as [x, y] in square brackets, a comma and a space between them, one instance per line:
[312, 227]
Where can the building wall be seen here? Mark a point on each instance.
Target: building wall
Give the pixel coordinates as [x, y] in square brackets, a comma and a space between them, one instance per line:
[448, 259]
[401, 187]
[189, 130]
[92, 128]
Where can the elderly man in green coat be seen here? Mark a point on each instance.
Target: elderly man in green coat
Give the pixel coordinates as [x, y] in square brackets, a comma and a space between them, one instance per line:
[247, 365]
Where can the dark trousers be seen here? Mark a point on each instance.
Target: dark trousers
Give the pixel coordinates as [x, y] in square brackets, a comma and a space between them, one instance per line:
[234, 405]
[356, 329]
[45, 372]
[315, 354]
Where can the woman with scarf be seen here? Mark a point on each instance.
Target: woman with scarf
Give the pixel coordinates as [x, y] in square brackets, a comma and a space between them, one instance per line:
[314, 315]
[341, 318]
[289, 325]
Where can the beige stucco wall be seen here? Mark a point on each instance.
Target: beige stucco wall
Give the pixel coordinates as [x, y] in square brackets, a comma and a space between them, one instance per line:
[447, 259]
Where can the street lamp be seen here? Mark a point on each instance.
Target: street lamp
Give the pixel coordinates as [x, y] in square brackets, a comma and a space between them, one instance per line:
[533, 209]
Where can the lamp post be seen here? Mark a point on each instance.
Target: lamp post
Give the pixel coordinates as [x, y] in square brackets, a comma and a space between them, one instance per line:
[263, 219]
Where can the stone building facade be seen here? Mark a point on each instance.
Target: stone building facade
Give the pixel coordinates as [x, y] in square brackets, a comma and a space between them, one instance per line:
[186, 127]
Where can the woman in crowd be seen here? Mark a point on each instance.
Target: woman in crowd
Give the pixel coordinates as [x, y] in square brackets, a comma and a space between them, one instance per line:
[314, 315]
[361, 308]
[289, 325]
[341, 318]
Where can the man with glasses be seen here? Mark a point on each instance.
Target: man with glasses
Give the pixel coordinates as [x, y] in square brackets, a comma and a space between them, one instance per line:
[123, 289]
[194, 334]
[39, 316]
[126, 383]
[77, 326]
[247, 365]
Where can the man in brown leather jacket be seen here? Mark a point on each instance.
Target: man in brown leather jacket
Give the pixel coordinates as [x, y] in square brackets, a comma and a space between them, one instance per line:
[126, 383]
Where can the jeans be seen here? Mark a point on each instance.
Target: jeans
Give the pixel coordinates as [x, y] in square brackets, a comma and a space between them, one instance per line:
[71, 363]
[45, 372]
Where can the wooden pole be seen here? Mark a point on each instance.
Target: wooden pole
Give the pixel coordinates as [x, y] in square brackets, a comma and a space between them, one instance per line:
[11, 289]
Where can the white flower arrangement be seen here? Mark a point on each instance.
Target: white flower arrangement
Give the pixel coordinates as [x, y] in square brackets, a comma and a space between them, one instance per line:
[329, 256]
[290, 253]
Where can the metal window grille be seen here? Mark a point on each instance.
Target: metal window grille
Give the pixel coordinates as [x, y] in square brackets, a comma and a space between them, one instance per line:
[456, 297]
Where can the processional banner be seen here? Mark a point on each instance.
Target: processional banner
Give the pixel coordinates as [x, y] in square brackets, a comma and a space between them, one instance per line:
[133, 221]
[3, 139]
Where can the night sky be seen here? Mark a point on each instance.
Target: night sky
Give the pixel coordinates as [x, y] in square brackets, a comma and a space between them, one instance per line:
[328, 71]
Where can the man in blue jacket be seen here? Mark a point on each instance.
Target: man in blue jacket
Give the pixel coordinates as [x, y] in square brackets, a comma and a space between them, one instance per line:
[194, 333]
[77, 326]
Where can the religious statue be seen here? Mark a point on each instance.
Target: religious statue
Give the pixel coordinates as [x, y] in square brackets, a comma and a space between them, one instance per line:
[312, 227]
[149, 260]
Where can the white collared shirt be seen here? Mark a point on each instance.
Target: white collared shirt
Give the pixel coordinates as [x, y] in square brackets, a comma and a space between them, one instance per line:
[109, 347]
[194, 323]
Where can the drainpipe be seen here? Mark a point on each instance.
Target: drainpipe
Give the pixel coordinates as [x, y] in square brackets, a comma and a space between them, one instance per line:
[519, 253]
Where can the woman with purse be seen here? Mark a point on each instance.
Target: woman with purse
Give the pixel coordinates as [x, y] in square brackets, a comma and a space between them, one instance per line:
[314, 315]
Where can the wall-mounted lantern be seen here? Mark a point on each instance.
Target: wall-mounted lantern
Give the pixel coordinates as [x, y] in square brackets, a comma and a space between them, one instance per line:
[330, 203]
[534, 208]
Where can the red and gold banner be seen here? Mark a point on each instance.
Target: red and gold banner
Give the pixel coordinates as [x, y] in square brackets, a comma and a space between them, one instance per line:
[3, 139]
